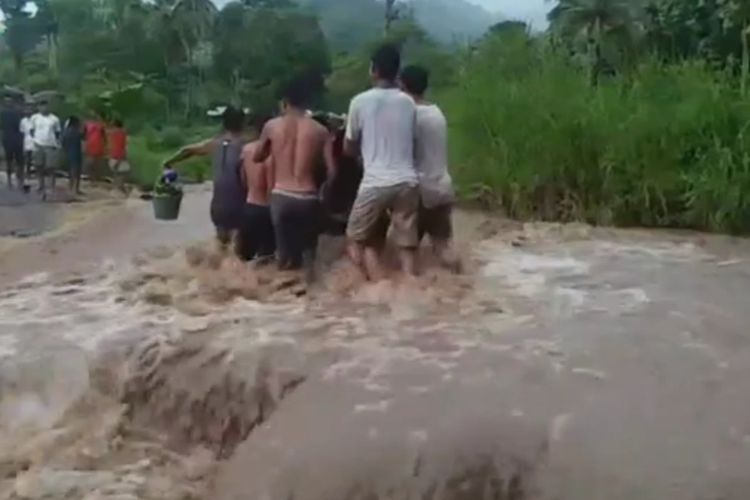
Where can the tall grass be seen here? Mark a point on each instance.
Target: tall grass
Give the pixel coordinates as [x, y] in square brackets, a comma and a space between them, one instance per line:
[665, 146]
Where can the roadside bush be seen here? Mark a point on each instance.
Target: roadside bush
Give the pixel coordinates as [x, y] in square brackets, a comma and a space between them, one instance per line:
[666, 146]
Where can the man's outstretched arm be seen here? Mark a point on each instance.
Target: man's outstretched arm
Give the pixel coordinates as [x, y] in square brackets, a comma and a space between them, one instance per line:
[202, 148]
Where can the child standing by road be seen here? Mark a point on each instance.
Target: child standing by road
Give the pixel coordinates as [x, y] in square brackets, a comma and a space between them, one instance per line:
[118, 154]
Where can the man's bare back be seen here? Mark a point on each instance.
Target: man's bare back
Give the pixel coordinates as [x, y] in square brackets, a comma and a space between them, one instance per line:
[295, 142]
[258, 176]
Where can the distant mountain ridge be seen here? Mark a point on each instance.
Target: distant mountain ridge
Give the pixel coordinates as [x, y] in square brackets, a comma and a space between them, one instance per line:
[446, 20]
[349, 23]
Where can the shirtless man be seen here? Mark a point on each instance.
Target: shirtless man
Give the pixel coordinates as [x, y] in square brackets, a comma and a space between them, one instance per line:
[381, 125]
[257, 237]
[295, 141]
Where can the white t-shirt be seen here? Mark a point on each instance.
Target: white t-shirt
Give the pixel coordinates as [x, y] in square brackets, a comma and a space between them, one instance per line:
[46, 130]
[431, 156]
[28, 141]
[383, 120]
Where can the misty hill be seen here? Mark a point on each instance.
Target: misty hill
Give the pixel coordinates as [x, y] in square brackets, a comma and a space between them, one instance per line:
[447, 20]
[348, 23]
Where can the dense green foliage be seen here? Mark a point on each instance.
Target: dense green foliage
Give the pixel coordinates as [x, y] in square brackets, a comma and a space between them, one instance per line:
[629, 112]
[185, 55]
[667, 147]
[604, 121]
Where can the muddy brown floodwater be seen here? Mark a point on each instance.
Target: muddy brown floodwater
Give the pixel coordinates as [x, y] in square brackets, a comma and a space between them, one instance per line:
[567, 363]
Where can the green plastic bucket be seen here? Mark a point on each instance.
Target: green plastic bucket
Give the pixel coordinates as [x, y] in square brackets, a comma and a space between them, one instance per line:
[167, 207]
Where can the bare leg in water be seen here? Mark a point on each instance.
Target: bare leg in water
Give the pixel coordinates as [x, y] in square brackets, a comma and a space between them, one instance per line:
[408, 259]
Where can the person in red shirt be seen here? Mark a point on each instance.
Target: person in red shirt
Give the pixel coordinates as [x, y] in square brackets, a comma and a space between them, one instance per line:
[118, 153]
[96, 146]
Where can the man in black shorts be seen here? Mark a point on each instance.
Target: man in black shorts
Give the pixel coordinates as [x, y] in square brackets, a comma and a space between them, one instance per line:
[257, 237]
[12, 139]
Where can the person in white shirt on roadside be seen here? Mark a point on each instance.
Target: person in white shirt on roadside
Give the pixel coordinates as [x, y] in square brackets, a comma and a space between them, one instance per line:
[28, 140]
[381, 126]
[46, 131]
[431, 160]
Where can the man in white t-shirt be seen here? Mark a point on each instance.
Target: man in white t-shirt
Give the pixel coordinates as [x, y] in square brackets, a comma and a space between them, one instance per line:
[28, 140]
[380, 126]
[45, 130]
[431, 161]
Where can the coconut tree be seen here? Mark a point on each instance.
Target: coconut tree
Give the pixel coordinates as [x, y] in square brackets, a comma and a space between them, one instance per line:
[47, 26]
[595, 21]
[735, 16]
[190, 23]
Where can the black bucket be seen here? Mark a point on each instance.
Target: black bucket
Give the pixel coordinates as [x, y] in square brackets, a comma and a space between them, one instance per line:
[167, 207]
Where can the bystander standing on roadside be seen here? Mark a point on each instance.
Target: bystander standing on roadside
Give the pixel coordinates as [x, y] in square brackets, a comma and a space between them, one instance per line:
[28, 140]
[118, 154]
[46, 131]
[12, 138]
[95, 163]
[73, 146]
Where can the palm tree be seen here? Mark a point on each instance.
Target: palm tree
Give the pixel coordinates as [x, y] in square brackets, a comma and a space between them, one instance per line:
[47, 25]
[188, 22]
[192, 20]
[736, 14]
[595, 20]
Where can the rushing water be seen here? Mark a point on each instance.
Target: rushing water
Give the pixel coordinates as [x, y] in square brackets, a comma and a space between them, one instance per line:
[625, 353]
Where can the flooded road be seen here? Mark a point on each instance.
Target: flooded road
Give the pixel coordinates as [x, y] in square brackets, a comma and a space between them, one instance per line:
[568, 363]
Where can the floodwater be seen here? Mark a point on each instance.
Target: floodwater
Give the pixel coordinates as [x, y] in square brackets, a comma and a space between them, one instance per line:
[566, 363]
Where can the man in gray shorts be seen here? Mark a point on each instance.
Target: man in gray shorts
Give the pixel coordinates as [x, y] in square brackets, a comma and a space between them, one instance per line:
[381, 125]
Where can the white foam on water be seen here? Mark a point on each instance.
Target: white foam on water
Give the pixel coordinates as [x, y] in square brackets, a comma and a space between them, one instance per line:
[655, 251]
[560, 281]
[84, 314]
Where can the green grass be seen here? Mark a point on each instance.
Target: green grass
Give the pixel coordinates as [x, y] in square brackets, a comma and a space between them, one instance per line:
[667, 146]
